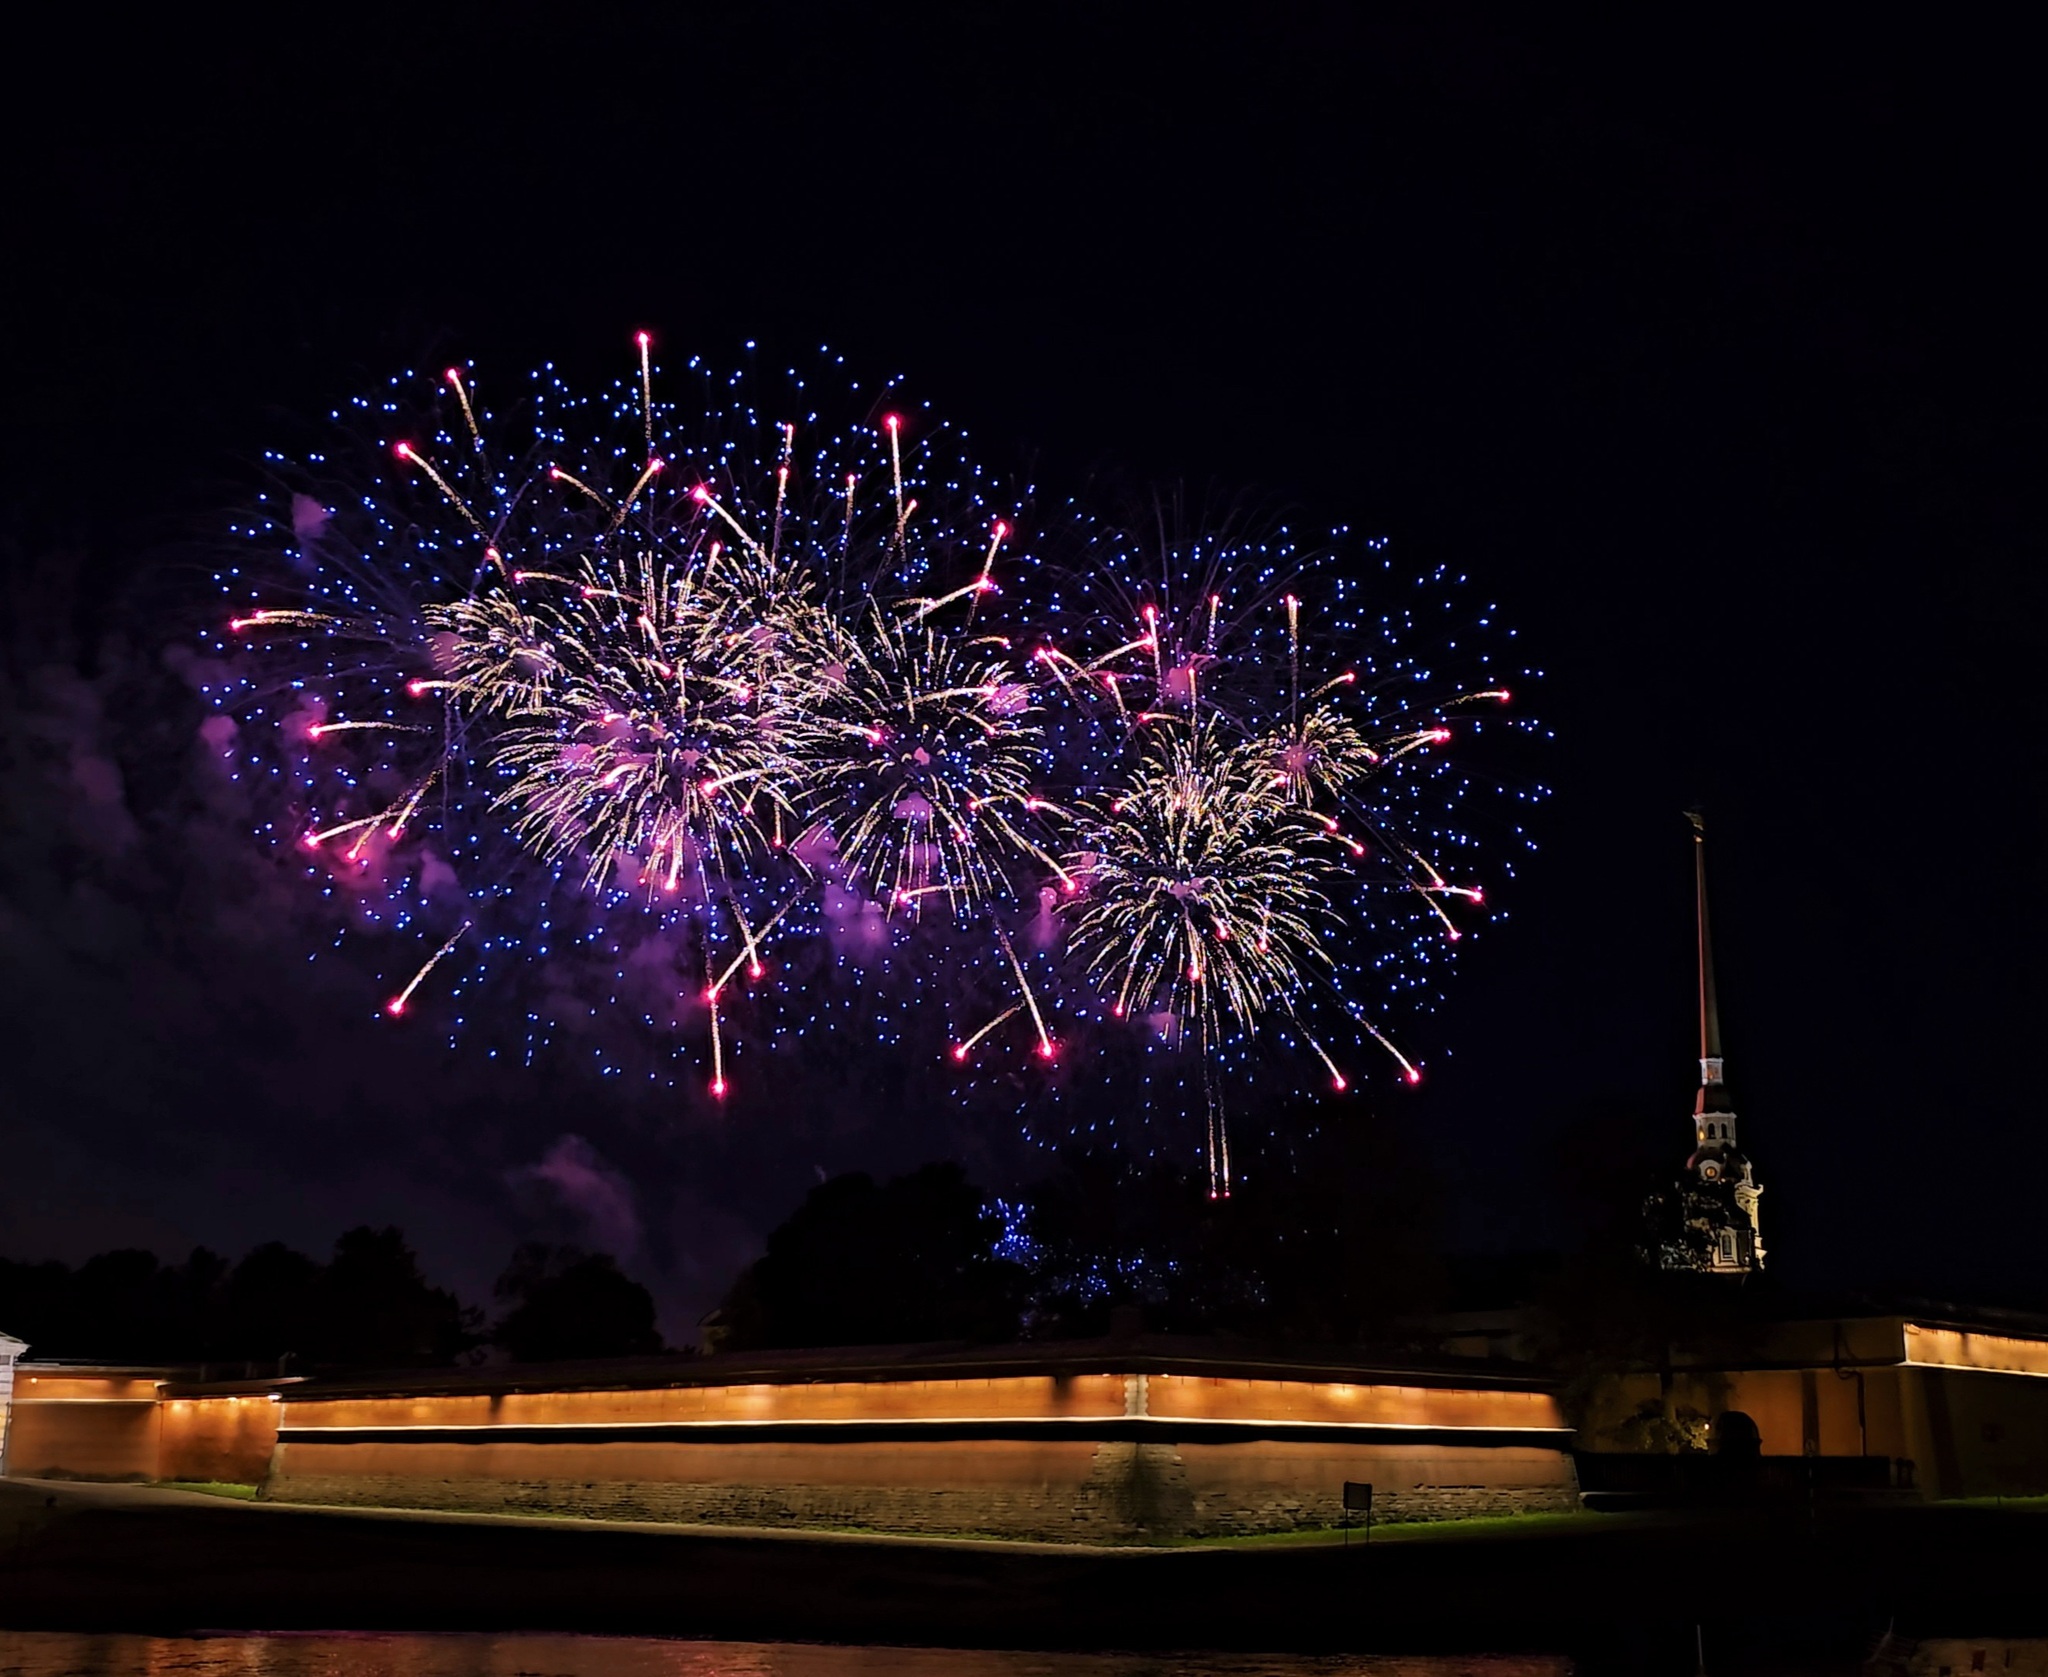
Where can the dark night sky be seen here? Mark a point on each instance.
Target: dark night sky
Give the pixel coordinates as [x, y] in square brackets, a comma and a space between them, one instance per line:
[1711, 352]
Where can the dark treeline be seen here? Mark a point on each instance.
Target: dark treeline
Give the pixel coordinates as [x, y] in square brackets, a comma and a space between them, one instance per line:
[1337, 1244]
[1341, 1242]
[280, 1311]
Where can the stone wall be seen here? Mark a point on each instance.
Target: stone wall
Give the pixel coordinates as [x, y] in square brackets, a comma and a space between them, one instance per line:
[1059, 1491]
[1282, 1486]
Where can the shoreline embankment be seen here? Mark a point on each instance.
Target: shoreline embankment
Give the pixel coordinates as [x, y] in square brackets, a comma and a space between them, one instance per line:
[108, 1557]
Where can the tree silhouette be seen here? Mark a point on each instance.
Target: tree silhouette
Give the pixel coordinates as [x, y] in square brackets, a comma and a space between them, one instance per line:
[269, 1304]
[567, 1303]
[375, 1309]
[861, 1263]
[368, 1308]
[1333, 1242]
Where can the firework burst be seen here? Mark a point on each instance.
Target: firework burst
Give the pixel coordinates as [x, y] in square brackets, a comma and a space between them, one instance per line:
[657, 734]
[655, 700]
[553, 675]
[922, 754]
[1272, 837]
[1206, 892]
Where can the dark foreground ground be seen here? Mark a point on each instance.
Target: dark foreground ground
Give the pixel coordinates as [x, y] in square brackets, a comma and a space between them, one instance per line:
[1621, 1592]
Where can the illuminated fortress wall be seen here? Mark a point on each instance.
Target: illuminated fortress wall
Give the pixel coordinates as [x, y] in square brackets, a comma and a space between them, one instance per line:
[223, 1439]
[70, 1425]
[1033, 1442]
[83, 1423]
[1049, 1453]
[1082, 1457]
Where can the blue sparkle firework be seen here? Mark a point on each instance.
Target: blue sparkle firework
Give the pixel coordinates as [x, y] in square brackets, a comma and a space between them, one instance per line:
[623, 704]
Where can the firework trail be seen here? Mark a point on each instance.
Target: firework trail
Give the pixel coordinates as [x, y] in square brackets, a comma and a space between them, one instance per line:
[397, 1004]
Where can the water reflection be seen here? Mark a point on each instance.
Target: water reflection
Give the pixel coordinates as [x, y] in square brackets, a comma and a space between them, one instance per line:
[332, 1654]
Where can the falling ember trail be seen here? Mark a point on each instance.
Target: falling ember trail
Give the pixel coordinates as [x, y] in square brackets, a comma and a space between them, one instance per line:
[646, 390]
[1219, 1126]
[717, 1049]
[1046, 1048]
[1409, 1072]
[782, 468]
[1337, 1079]
[557, 475]
[397, 1004]
[321, 729]
[704, 498]
[411, 455]
[895, 426]
[454, 376]
[961, 1050]
[313, 841]
[654, 465]
[983, 583]
[750, 948]
[1294, 660]
[283, 619]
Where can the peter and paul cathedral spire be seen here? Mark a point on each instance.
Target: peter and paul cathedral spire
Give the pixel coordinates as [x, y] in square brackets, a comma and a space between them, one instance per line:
[1718, 1164]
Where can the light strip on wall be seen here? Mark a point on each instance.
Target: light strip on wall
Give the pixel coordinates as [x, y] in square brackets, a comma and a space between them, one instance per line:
[1988, 1353]
[306, 1434]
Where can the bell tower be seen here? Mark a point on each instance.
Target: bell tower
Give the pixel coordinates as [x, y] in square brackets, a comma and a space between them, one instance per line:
[1718, 1165]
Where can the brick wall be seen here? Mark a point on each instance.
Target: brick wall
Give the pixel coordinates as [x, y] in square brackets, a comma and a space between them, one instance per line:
[1062, 1491]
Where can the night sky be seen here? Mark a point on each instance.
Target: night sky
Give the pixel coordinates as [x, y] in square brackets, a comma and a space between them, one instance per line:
[1711, 353]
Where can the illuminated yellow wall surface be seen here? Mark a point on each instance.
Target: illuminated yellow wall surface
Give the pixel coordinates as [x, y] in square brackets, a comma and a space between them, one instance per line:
[83, 1425]
[1238, 1451]
[1119, 1455]
[1020, 1398]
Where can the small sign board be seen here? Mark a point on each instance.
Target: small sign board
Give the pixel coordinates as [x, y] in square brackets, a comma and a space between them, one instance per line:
[1357, 1500]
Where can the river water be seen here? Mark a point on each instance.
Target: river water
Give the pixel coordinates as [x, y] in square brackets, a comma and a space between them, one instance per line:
[328, 1654]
